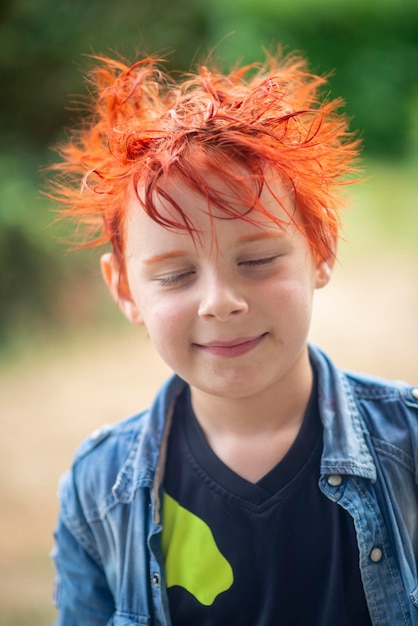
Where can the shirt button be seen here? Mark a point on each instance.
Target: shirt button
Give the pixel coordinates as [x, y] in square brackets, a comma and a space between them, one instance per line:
[99, 432]
[334, 480]
[376, 555]
[414, 393]
[96, 434]
[155, 580]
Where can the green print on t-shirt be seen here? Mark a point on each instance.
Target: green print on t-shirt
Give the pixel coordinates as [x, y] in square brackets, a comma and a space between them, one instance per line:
[192, 558]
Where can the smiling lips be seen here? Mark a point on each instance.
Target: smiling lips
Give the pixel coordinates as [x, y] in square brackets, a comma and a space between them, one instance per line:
[229, 349]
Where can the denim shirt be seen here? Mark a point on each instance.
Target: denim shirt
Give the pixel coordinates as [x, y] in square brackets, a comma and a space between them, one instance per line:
[109, 563]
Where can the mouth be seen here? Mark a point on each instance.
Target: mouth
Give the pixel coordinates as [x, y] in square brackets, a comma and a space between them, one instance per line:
[234, 348]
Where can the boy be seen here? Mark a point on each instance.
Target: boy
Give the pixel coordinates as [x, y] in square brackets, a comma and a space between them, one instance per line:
[264, 486]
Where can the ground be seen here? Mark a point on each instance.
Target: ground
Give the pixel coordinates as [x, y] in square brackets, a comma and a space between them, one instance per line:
[366, 319]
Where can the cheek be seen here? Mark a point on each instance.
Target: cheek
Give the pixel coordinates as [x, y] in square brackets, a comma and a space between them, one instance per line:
[292, 291]
[164, 319]
[290, 303]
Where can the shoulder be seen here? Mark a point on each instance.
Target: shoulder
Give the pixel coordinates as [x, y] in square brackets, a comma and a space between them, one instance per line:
[372, 387]
[389, 409]
[115, 460]
[86, 488]
[112, 444]
[364, 388]
[384, 392]
[384, 410]
[116, 437]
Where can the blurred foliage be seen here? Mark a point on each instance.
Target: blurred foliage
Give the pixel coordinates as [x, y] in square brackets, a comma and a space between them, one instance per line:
[370, 49]
[372, 46]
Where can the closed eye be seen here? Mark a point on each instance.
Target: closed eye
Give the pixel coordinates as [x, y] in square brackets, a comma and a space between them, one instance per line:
[261, 261]
[174, 279]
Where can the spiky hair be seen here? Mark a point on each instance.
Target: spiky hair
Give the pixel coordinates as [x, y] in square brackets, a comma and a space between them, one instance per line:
[145, 126]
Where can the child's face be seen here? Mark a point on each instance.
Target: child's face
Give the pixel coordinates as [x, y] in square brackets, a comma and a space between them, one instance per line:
[229, 313]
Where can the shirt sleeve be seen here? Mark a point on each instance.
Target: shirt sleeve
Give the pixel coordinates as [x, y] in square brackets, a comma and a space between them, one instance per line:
[81, 592]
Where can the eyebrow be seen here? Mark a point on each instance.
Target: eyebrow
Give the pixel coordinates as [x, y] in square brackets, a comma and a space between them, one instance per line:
[261, 236]
[157, 258]
[175, 254]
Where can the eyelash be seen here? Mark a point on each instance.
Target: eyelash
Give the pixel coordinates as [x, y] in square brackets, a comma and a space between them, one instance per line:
[174, 279]
[257, 262]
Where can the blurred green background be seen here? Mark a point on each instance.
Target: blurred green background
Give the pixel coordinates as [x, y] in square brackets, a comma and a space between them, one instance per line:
[46, 292]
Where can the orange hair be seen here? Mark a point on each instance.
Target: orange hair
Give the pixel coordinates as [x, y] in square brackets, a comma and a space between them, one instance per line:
[145, 126]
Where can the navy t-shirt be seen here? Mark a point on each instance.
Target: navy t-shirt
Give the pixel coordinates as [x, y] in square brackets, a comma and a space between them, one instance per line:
[274, 552]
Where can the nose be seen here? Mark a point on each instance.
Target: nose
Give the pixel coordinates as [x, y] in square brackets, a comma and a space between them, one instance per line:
[221, 299]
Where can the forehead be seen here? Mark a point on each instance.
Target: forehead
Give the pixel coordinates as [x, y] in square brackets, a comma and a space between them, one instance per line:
[181, 217]
[179, 204]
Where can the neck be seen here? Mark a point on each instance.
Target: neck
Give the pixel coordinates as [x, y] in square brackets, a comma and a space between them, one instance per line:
[273, 407]
[252, 434]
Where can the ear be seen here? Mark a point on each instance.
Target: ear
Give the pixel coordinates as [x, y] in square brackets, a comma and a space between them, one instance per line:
[323, 272]
[117, 282]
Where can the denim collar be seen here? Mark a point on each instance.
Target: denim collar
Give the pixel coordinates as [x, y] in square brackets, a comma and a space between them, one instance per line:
[345, 450]
[144, 466]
